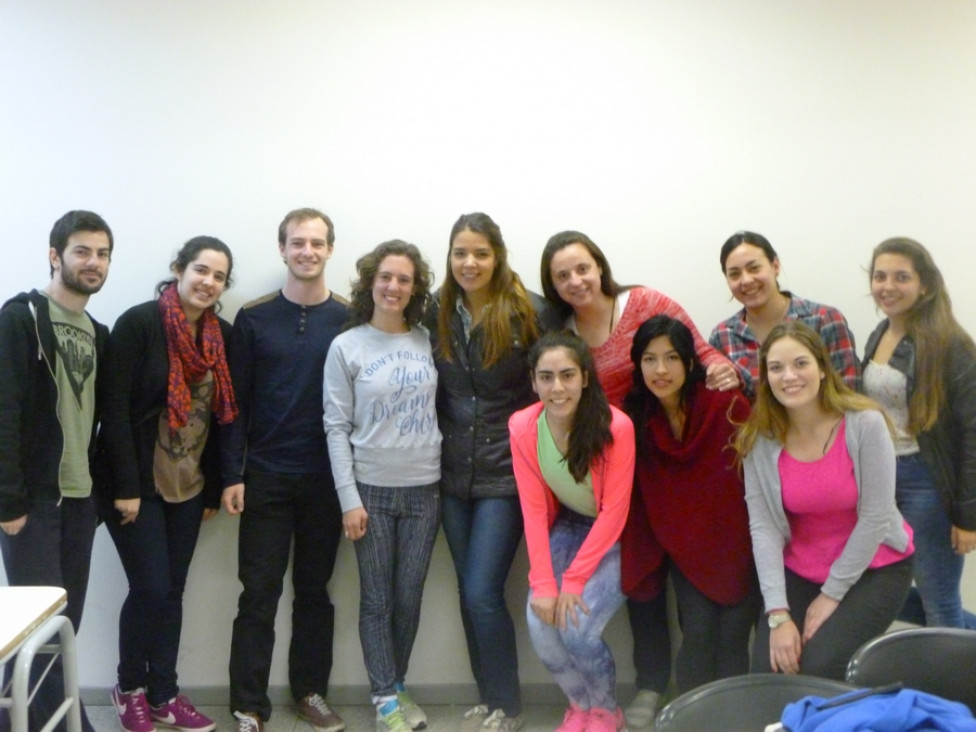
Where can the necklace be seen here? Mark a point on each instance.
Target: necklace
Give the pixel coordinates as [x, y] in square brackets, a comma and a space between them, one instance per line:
[830, 435]
[613, 311]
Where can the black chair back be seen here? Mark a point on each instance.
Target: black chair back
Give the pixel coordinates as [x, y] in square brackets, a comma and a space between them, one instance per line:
[747, 702]
[939, 661]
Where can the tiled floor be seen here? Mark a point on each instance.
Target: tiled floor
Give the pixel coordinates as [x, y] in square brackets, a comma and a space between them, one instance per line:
[538, 718]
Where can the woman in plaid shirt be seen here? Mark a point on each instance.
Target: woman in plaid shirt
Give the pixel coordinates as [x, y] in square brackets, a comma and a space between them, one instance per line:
[751, 266]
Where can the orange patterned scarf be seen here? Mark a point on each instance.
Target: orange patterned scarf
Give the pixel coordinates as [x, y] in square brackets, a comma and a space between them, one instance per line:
[189, 361]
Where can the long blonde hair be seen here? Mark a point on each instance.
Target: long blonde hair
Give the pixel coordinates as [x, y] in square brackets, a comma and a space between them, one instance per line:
[932, 327]
[769, 418]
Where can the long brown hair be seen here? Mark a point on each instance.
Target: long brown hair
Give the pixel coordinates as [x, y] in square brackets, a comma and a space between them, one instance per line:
[508, 314]
[608, 286]
[769, 418]
[932, 327]
[590, 433]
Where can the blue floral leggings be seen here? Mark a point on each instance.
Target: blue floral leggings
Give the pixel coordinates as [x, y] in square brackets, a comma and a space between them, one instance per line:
[578, 658]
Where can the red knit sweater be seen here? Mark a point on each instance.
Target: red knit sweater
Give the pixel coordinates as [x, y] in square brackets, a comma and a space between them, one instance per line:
[689, 504]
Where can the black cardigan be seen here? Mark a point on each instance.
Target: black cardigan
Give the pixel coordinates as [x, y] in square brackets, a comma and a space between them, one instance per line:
[949, 448]
[474, 404]
[135, 391]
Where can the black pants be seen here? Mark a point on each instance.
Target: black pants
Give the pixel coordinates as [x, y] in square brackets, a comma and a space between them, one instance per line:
[54, 548]
[866, 611]
[156, 550]
[652, 642]
[714, 637]
[278, 508]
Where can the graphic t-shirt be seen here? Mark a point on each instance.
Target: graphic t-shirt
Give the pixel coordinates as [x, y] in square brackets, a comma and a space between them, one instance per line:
[176, 459]
[74, 337]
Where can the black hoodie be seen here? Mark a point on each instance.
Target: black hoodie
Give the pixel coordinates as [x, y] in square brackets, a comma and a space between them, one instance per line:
[31, 440]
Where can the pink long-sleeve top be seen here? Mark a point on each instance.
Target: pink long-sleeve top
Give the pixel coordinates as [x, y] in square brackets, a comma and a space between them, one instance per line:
[612, 477]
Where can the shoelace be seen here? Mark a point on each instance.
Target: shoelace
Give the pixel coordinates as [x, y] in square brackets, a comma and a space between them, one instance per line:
[495, 720]
[140, 707]
[477, 711]
[316, 701]
[395, 720]
[245, 723]
[184, 705]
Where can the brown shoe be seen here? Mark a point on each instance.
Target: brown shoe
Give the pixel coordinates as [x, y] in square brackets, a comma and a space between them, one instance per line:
[249, 722]
[316, 712]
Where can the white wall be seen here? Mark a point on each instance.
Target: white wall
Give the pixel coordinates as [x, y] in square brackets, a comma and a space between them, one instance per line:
[659, 128]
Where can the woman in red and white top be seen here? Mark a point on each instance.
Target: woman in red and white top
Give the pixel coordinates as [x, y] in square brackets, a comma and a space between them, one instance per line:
[577, 281]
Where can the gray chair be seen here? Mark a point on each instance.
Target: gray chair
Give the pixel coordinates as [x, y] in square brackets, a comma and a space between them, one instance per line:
[939, 661]
[747, 702]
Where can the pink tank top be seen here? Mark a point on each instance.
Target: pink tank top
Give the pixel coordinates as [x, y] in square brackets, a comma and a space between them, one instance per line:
[820, 499]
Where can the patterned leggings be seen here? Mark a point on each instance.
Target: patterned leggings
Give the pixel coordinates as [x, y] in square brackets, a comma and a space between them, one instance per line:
[578, 657]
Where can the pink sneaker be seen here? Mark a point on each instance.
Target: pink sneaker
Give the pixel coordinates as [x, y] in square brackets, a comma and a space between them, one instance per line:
[133, 710]
[603, 720]
[575, 720]
[179, 714]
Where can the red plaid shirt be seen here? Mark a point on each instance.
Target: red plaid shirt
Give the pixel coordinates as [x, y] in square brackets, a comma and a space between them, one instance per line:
[735, 339]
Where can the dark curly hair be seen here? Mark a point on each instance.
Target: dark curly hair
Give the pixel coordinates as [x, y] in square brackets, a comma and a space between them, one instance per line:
[361, 297]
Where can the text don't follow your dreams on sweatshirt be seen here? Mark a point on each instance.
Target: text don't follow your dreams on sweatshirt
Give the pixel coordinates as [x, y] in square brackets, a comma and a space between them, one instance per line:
[380, 411]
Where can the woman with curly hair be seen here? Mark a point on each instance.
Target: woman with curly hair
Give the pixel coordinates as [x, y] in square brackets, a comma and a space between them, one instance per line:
[380, 418]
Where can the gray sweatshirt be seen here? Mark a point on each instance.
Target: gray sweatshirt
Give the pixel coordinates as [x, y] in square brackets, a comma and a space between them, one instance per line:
[380, 417]
[878, 520]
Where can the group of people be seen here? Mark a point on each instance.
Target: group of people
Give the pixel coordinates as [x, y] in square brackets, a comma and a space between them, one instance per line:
[766, 473]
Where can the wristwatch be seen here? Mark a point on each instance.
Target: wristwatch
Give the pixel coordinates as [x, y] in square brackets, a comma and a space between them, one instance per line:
[777, 618]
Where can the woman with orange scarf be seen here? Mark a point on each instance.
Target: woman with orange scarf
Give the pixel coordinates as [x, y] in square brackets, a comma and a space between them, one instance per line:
[168, 393]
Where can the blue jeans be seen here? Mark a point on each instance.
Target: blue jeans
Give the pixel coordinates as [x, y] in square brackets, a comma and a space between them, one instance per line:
[54, 548]
[155, 550]
[483, 535]
[393, 557]
[578, 658]
[935, 600]
[279, 509]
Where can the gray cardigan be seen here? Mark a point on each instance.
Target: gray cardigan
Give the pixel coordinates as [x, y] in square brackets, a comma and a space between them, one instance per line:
[878, 520]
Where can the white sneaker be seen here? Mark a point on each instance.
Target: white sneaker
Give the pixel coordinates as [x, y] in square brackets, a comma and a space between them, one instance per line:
[498, 720]
[643, 709]
[472, 719]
